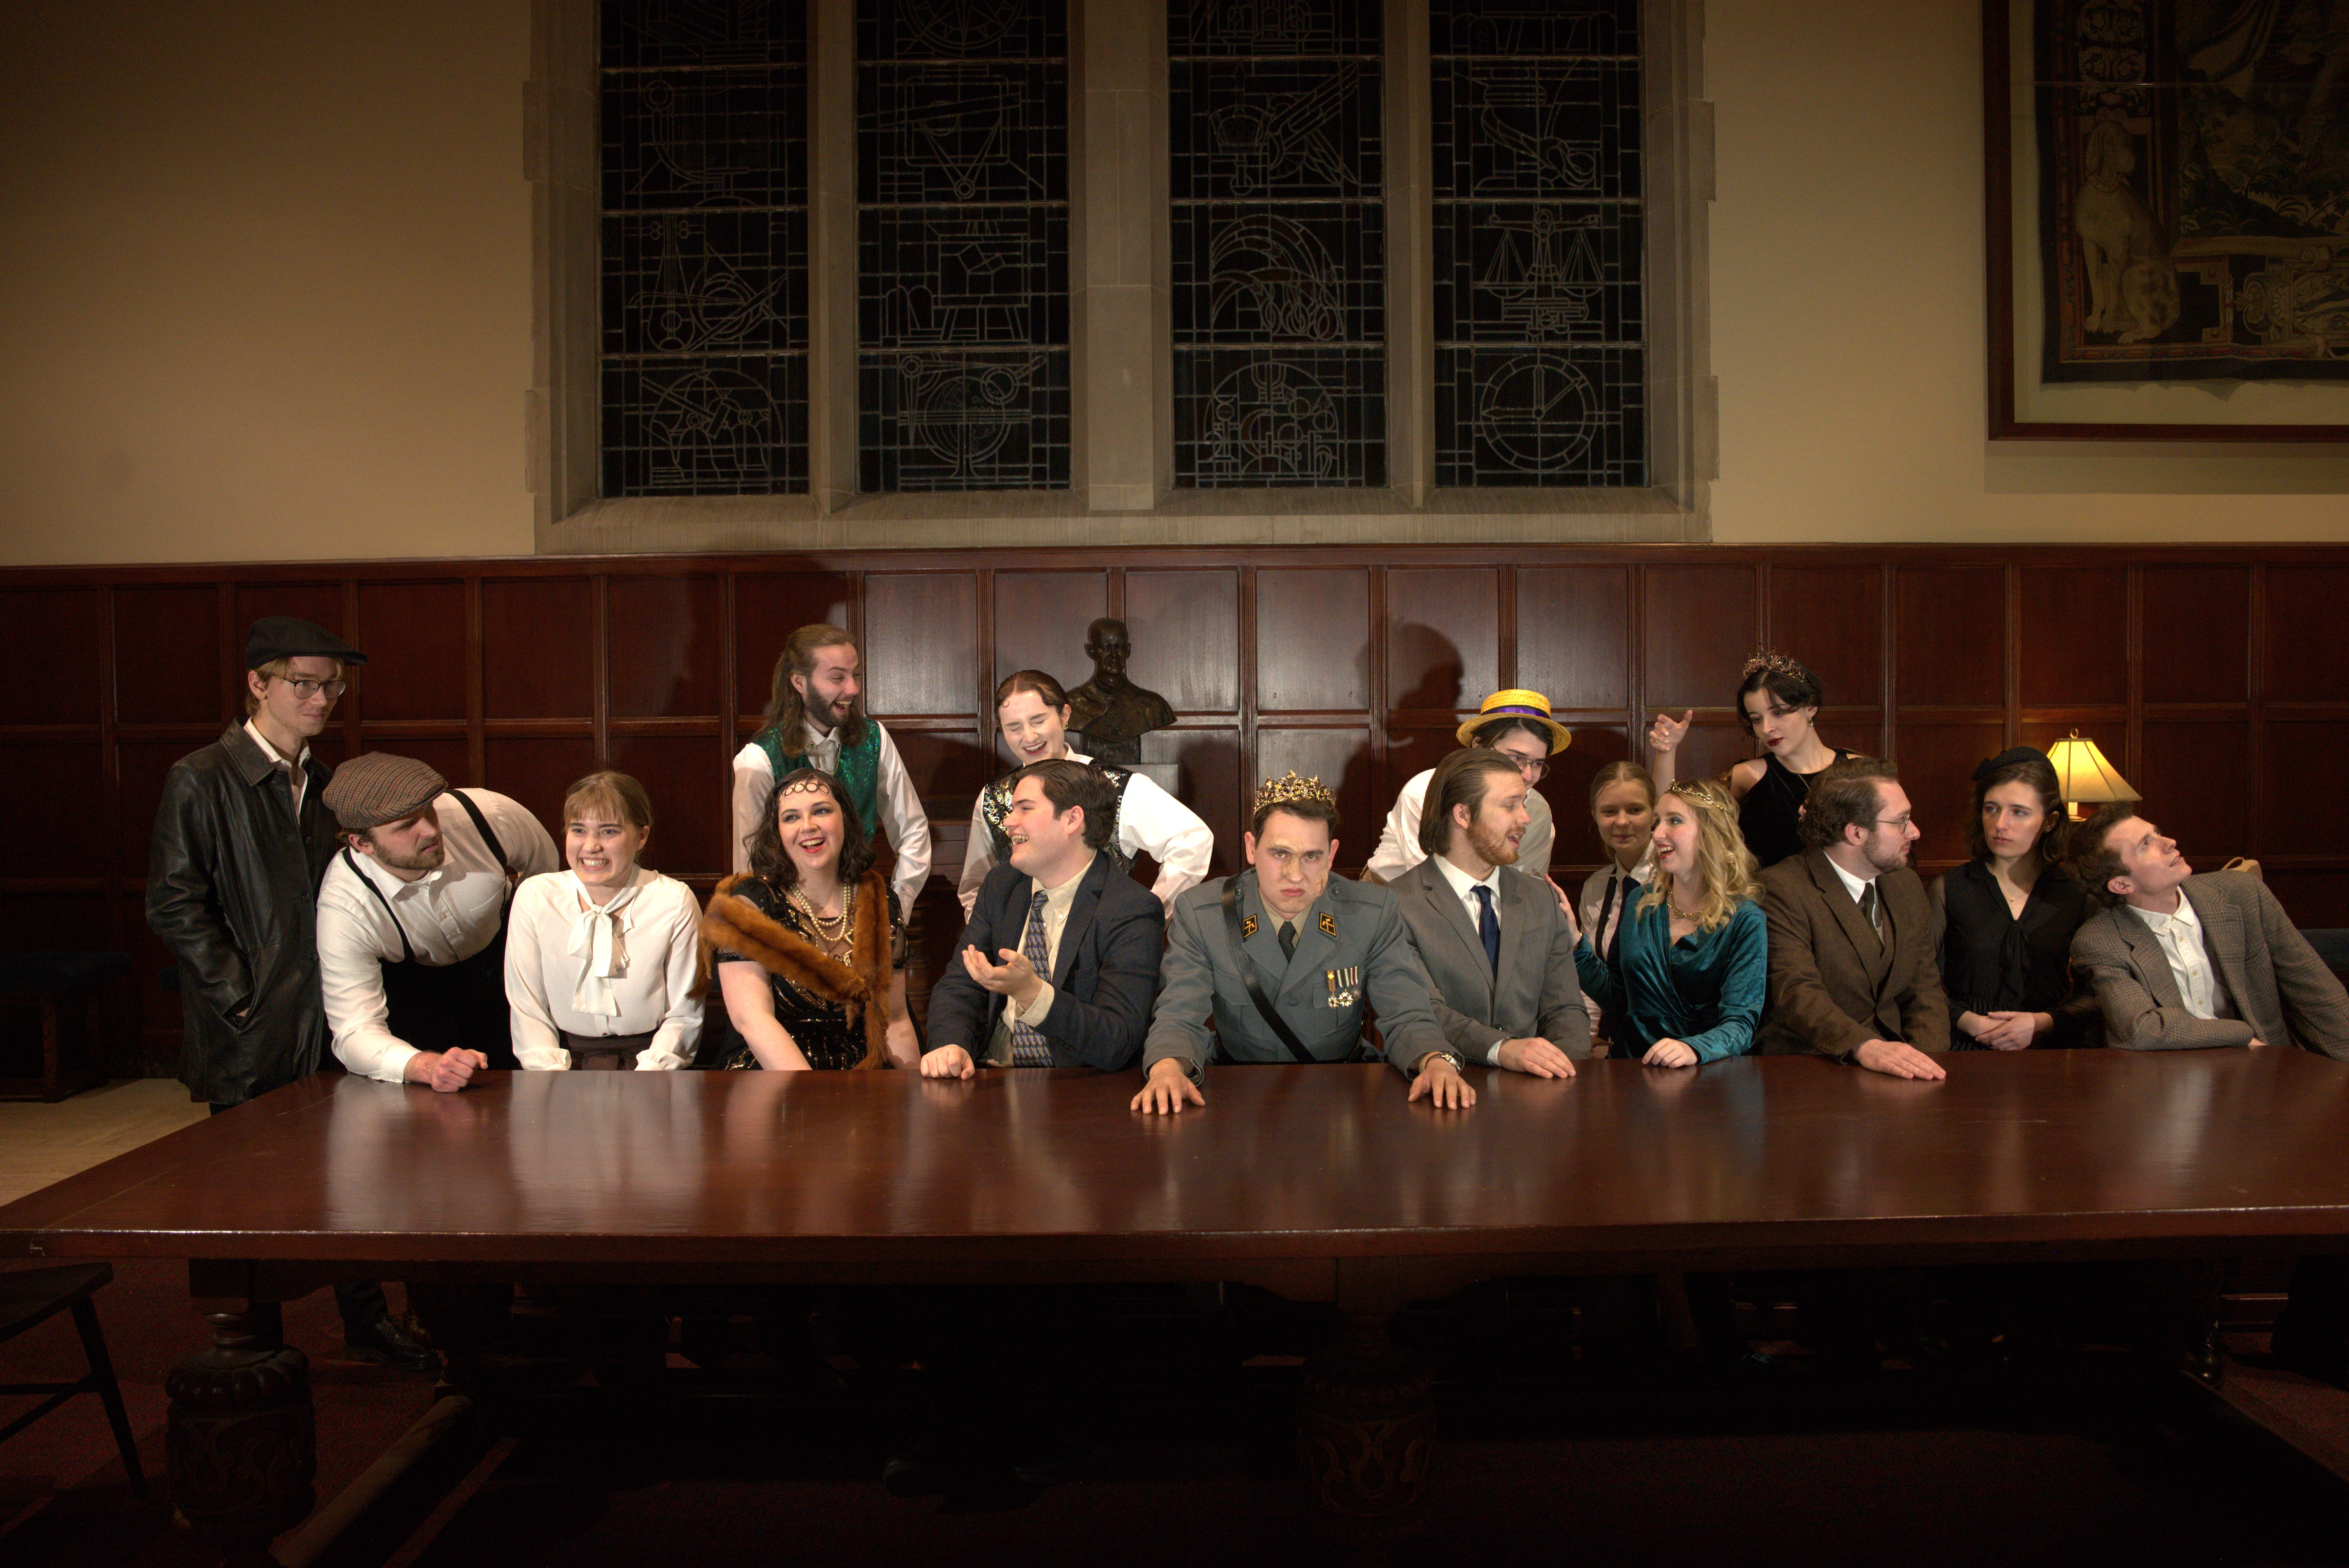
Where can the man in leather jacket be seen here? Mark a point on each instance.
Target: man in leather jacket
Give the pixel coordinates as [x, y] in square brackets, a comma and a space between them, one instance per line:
[241, 837]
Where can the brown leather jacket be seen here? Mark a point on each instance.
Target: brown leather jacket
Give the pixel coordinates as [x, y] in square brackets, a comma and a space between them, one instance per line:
[232, 890]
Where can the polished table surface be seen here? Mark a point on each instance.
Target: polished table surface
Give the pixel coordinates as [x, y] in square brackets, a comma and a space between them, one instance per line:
[1287, 1176]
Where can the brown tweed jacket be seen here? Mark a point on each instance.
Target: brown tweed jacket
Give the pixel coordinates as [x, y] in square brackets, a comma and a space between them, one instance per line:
[1833, 986]
[2281, 990]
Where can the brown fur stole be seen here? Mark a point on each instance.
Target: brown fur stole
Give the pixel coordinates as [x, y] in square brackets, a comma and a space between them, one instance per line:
[736, 924]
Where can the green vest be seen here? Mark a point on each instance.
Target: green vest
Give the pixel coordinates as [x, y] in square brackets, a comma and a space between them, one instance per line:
[859, 771]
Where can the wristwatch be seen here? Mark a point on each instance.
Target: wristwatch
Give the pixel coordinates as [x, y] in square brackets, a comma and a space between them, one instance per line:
[1452, 1057]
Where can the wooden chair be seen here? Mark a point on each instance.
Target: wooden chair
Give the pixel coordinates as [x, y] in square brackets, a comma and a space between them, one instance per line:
[29, 1296]
[70, 994]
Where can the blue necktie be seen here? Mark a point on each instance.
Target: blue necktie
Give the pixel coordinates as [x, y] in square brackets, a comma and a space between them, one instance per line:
[1029, 1047]
[1487, 928]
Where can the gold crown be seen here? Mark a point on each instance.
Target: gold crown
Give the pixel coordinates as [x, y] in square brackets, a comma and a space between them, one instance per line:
[1777, 664]
[1288, 789]
[1703, 792]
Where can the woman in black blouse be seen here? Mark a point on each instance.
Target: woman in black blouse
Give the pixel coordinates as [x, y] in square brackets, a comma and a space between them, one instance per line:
[2007, 916]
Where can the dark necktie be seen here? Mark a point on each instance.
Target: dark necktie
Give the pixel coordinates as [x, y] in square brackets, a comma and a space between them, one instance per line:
[1487, 928]
[1287, 939]
[1029, 1047]
[1870, 913]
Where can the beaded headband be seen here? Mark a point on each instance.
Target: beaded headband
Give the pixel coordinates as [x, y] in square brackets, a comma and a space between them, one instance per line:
[1703, 792]
[807, 787]
[1777, 664]
[1288, 790]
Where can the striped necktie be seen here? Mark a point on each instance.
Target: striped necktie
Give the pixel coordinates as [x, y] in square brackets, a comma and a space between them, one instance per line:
[1029, 1047]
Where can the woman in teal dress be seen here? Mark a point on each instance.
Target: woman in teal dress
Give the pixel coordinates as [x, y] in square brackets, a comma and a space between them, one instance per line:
[1691, 965]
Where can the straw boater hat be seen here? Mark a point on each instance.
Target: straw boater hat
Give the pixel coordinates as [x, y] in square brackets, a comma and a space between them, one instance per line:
[1516, 702]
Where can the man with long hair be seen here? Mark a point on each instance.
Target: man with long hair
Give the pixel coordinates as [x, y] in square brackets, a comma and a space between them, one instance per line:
[815, 717]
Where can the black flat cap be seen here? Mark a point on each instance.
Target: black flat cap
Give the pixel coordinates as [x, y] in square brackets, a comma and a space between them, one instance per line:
[289, 637]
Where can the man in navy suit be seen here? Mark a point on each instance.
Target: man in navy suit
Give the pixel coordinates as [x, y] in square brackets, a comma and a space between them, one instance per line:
[1060, 960]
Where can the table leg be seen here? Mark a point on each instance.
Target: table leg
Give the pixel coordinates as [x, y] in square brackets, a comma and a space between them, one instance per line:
[1366, 1431]
[242, 1442]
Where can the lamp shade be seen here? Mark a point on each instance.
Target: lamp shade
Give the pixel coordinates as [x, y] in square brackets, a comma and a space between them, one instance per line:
[2082, 775]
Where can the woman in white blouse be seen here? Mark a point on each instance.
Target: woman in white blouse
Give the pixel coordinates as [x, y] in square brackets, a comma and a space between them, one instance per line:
[1032, 712]
[601, 959]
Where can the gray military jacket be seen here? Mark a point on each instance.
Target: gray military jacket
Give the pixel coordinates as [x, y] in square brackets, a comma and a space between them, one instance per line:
[1351, 948]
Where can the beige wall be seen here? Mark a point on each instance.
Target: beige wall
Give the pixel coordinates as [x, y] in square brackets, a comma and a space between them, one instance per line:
[263, 276]
[264, 280]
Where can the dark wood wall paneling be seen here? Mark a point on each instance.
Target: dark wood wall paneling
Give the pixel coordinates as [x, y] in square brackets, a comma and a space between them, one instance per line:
[2211, 677]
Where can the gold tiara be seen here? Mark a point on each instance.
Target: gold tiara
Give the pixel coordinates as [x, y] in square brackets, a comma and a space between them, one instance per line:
[1777, 664]
[1703, 792]
[1288, 790]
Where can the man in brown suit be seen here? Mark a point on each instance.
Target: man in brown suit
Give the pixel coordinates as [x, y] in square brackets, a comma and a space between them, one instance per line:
[2186, 963]
[1852, 974]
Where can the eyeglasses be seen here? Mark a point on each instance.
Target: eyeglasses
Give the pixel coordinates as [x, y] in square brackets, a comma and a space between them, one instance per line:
[1535, 769]
[307, 689]
[1901, 822]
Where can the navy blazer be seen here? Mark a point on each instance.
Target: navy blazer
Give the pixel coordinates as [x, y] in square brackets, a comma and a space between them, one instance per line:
[1104, 976]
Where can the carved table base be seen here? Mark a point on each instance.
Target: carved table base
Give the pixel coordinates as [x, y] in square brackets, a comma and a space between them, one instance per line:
[242, 1449]
[1366, 1431]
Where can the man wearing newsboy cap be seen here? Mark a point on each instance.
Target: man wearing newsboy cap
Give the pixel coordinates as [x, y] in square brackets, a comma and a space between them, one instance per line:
[241, 838]
[412, 920]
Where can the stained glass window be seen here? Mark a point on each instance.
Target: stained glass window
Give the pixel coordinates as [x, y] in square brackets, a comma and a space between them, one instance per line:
[1279, 242]
[705, 226]
[962, 128]
[1540, 323]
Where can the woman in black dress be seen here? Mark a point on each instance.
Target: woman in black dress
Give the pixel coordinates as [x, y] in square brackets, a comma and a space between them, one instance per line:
[809, 946]
[1779, 701]
[2007, 916]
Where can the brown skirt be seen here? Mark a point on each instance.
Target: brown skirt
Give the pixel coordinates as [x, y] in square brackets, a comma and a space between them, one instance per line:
[605, 1053]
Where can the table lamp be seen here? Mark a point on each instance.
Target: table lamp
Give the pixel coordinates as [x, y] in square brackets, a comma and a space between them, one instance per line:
[2082, 776]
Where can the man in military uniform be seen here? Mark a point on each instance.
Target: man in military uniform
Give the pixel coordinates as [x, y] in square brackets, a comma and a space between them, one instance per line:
[1285, 957]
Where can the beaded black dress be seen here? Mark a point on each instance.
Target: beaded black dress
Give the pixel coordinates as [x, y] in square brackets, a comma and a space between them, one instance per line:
[1770, 816]
[820, 1026]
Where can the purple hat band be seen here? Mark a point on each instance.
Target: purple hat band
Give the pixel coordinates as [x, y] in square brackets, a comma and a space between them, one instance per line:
[1516, 709]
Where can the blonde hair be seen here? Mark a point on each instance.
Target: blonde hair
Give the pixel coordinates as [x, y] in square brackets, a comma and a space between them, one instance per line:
[616, 793]
[1732, 875]
[279, 669]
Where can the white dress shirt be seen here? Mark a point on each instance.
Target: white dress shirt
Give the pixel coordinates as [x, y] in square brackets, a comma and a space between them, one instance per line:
[624, 967]
[1399, 849]
[1851, 885]
[1055, 915]
[2180, 936]
[297, 771]
[1149, 822]
[1465, 888]
[448, 914]
[902, 821]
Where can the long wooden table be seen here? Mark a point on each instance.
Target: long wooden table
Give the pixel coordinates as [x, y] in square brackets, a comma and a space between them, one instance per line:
[1318, 1182]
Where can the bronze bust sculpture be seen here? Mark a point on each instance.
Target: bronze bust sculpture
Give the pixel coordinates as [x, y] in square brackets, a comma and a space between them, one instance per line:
[1110, 713]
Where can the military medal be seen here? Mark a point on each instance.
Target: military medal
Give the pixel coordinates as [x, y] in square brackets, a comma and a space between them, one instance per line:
[1342, 985]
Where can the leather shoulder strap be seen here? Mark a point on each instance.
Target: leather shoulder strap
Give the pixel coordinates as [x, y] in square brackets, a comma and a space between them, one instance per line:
[407, 953]
[488, 836]
[1281, 1029]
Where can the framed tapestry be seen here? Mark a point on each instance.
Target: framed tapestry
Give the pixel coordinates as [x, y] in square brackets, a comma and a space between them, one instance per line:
[2167, 219]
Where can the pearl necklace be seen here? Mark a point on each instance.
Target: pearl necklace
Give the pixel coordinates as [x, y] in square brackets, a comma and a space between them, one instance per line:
[833, 929]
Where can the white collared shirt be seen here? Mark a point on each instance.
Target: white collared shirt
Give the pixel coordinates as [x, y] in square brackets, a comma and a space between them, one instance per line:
[1465, 888]
[1852, 885]
[1399, 849]
[2180, 936]
[647, 940]
[447, 916]
[902, 821]
[297, 771]
[1055, 916]
[1150, 823]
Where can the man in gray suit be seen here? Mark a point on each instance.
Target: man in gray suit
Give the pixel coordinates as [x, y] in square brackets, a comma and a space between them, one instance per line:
[2183, 962]
[2186, 963]
[1283, 958]
[1497, 951]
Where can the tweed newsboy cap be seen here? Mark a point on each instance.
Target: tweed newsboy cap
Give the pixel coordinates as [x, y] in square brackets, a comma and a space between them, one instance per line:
[377, 788]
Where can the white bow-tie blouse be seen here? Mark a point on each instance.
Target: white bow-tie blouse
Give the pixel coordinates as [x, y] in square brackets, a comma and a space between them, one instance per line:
[627, 967]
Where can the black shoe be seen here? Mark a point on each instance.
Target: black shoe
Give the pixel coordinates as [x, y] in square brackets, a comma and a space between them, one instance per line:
[387, 1343]
[925, 1469]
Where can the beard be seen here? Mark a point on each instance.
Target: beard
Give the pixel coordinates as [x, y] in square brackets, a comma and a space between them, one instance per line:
[1492, 848]
[1899, 857]
[424, 860]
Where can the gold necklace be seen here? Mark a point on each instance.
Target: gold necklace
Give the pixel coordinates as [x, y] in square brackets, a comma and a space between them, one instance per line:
[832, 929]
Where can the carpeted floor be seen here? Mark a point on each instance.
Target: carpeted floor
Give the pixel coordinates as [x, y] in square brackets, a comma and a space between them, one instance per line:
[2081, 1459]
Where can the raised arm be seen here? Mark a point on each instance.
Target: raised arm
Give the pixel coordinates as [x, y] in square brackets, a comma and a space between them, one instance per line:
[1153, 822]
